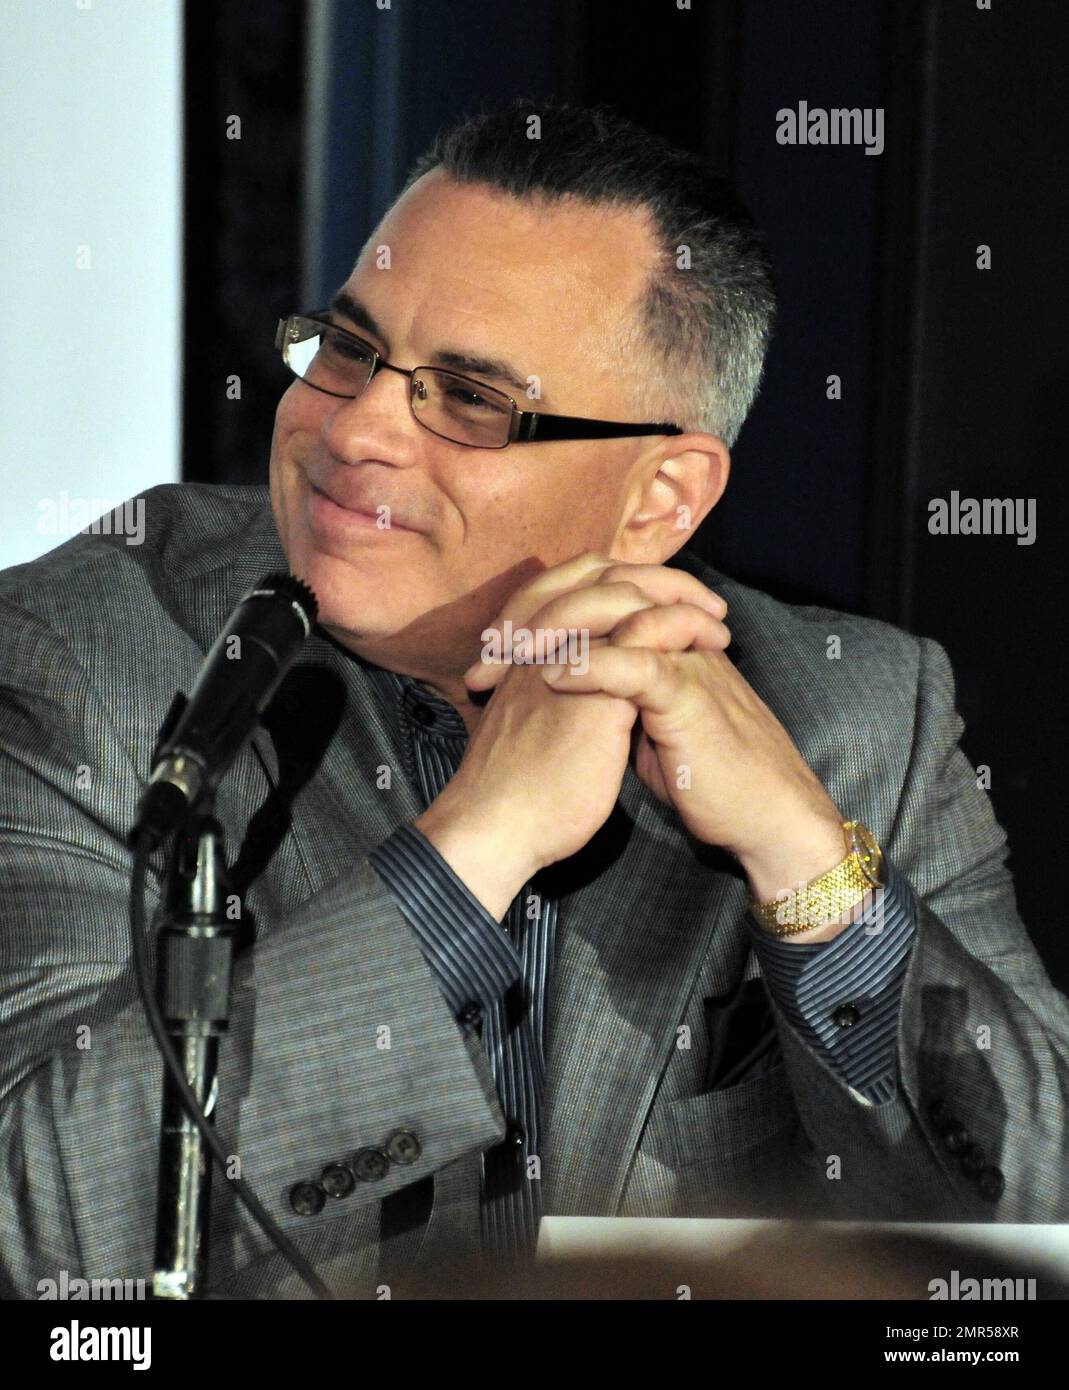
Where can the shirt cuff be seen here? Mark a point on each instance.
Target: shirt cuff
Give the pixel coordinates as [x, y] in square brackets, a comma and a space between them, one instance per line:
[844, 995]
[471, 957]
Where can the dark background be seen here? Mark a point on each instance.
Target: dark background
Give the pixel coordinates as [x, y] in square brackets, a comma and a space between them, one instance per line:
[952, 377]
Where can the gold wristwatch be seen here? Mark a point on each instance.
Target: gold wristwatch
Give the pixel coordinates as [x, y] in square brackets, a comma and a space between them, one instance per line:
[826, 898]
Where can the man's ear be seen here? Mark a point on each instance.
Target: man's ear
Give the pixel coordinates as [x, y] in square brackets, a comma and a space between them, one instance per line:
[671, 496]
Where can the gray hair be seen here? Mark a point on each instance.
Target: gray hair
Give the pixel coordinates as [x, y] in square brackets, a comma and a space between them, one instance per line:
[707, 315]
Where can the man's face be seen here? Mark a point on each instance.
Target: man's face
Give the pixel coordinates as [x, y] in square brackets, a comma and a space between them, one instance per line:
[550, 290]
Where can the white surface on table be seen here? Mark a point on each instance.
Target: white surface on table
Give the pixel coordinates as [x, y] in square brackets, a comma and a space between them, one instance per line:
[563, 1236]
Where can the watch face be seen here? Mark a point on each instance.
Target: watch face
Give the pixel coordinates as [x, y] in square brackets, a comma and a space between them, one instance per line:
[869, 854]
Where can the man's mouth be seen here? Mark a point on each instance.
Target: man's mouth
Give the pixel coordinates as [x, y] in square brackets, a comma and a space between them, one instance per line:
[332, 511]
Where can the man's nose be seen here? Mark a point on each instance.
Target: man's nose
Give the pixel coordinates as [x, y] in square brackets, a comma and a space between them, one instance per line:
[379, 415]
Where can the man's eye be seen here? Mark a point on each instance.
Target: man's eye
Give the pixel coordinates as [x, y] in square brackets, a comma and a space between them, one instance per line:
[469, 399]
[344, 347]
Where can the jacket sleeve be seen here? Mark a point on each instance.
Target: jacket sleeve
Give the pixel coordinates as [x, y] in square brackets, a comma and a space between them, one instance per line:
[339, 1032]
[977, 1126]
[469, 952]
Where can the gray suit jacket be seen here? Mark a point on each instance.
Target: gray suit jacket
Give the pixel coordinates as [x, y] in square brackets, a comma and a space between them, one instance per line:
[96, 638]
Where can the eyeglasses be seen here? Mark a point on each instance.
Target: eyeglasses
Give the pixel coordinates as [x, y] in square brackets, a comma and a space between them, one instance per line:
[457, 408]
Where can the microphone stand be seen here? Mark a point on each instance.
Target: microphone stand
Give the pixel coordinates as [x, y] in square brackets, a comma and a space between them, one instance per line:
[196, 949]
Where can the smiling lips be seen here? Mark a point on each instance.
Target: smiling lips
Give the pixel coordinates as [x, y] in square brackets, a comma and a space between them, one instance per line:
[329, 511]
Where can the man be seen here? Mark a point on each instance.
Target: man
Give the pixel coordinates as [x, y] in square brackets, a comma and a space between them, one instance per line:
[687, 920]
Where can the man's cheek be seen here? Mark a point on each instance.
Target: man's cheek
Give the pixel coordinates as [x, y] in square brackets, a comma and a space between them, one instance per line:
[291, 515]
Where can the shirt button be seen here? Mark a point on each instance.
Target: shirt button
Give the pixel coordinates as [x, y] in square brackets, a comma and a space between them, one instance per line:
[403, 1146]
[991, 1184]
[471, 1015]
[957, 1139]
[307, 1198]
[972, 1160]
[515, 1136]
[369, 1165]
[337, 1180]
[845, 1016]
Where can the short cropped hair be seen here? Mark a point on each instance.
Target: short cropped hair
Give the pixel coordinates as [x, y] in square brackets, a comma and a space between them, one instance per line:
[706, 318]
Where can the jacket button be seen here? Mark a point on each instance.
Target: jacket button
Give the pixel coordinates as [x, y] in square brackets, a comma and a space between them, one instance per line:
[991, 1184]
[845, 1016]
[471, 1015]
[403, 1146]
[972, 1161]
[369, 1165]
[940, 1116]
[515, 1136]
[307, 1198]
[337, 1180]
[956, 1139]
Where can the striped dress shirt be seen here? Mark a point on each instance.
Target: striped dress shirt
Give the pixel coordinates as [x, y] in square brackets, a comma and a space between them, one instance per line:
[843, 996]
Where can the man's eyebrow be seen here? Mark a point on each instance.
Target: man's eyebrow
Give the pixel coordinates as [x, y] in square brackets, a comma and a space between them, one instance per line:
[454, 359]
[496, 368]
[344, 303]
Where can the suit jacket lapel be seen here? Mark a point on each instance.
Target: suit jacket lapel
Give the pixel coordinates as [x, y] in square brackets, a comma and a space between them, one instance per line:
[321, 742]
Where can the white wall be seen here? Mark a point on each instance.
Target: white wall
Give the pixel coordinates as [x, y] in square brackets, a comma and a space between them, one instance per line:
[90, 271]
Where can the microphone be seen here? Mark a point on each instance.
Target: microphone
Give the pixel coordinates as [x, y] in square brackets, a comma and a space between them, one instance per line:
[244, 668]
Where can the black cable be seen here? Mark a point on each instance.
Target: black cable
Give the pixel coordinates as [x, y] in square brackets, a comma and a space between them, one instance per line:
[252, 1203]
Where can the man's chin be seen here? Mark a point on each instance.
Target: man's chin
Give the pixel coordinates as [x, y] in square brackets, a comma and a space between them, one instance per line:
[336, 567]
[349, 593]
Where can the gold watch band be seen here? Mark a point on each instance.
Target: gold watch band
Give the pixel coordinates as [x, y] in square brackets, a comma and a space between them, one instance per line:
[826, 898]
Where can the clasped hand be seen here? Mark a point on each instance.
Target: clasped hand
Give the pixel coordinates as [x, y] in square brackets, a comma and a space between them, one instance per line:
[705, 742]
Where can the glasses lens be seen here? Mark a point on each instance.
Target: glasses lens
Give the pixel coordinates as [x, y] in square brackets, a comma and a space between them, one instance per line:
[461, 410]
[326, 357]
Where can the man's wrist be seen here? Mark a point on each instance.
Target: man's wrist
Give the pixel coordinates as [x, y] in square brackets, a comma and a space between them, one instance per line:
[796, 859]
[790, 859]
[479, 854]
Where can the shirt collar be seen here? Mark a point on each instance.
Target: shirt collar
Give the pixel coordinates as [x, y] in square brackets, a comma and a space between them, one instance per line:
[417, 705]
